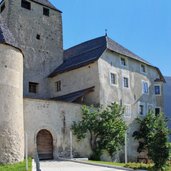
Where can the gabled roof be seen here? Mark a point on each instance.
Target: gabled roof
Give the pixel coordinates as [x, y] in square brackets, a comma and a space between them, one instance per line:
[90, 51]
[6, 36]
[46, 3]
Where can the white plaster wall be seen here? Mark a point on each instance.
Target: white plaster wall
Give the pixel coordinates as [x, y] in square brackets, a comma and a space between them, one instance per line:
[110, 62]
[47, 114]
[11, 105]
[167, 100]
[79, 79]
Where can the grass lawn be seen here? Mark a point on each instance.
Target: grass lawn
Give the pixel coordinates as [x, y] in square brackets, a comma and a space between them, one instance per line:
[108, 163]
[129, 165]
[16, 167]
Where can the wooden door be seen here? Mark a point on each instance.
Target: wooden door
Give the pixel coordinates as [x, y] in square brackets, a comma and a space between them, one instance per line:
[45, 145]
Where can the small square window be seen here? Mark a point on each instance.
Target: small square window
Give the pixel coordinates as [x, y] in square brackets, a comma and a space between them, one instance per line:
[33, 87]
[125, 82]
[2, 7]
[46, 11]
[38, 36]
[25, 4]
[58, 86]
[145, 87]
[113, 79]
[157, 111]
[123, 62]
[143, 68]
[157, 90]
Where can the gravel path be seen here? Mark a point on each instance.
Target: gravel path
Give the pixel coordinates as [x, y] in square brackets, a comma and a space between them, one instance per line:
[71, 166]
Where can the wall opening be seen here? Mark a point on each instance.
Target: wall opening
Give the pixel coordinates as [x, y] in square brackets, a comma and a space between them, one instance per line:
[44, 142]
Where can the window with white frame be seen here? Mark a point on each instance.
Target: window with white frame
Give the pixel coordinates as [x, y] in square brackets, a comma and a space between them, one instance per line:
[143, 68]
[123, 61]
[142, 111]
[145, 87]
[125, 82]
[127, 112]
[157, 90]
[113, 78]
[150, 107]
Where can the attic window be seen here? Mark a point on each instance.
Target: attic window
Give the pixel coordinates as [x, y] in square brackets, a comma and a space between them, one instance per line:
[2, 7]
[46, 11]
[25, 4]
[38, 37]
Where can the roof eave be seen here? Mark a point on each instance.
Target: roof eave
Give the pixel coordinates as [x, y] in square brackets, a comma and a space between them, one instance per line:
[55, 9]
[71, 68]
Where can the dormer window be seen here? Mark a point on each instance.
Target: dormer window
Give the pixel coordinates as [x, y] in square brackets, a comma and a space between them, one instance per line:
[123, 62]
[2, 7]
[25, 4]
[143, 68]
[46, 11]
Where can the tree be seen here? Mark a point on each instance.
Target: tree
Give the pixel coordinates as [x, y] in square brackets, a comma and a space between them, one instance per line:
[105, 127]
[153, 137]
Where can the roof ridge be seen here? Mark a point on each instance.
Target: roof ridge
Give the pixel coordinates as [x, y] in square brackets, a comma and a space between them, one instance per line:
[97, 47]
[85, 42]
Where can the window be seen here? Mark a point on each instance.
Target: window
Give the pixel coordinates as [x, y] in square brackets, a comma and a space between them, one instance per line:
[113, 79]
[143, 68]
[2, 7]
[58, 86]
[127, 112]
[145, 87]
[157, 110]
[150, 108]
[157, 90]
[142, 109]
[33, 87]
[25, 4]
[38, 37]
[125, 82]
[46, 11]
[123, 62]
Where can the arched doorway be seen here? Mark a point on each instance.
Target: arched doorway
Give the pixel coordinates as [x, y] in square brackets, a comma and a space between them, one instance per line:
[44, 145]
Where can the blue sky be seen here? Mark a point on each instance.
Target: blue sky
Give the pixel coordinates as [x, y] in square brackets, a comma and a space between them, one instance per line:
[142, 26]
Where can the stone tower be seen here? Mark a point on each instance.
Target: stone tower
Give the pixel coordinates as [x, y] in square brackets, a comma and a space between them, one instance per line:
[37, 27]
[11, 98]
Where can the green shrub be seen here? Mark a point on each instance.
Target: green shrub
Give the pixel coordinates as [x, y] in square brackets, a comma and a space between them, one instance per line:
[138, 166]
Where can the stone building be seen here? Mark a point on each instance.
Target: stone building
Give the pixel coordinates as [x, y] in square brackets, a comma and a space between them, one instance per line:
[57, 82]
[167, 100]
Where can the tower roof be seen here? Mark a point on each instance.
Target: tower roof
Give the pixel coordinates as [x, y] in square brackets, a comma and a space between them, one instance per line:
[46, 3]
[6, 36]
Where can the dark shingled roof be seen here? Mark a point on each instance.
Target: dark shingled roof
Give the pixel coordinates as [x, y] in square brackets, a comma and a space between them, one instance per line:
[71, 97]
[46, 3]
[6, 36]
[90, 51]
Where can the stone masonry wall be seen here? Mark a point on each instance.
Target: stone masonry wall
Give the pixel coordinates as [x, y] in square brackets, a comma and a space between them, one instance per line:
[41, 56]
[11, 105]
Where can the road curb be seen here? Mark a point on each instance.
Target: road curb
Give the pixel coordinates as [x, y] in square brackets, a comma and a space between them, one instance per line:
[96, 164]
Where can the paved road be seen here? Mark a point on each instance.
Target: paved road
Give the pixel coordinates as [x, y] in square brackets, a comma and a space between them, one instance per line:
[71, 166]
